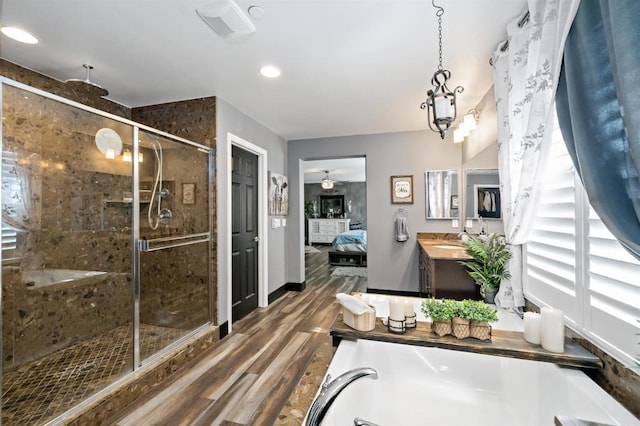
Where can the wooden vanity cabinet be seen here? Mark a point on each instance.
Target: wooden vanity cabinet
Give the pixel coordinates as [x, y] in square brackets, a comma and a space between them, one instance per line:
[444, 277]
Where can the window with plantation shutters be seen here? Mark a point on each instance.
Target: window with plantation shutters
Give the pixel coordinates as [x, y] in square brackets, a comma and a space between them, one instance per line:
[612, 300]
[572, 262]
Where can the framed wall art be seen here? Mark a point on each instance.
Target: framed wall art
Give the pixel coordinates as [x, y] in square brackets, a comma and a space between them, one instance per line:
[402, 189]
[454, 202]
[188, 193]
[486, 201]
[278, 194]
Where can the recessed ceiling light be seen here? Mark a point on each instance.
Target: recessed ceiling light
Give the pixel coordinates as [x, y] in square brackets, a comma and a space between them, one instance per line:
[270, 71]
[19, 35]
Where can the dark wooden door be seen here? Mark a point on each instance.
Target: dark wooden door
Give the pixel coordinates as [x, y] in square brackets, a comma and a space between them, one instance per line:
[244, 232]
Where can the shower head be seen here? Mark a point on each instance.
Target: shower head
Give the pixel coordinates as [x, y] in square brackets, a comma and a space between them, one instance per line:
[87, 83]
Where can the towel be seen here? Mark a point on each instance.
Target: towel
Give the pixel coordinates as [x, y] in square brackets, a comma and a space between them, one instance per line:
[353, 304]
[402, 230]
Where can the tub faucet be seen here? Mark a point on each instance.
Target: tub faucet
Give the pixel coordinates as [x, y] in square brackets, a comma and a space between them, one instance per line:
[330, 391]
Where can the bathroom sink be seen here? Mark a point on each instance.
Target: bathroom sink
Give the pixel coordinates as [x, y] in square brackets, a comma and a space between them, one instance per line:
[446, 246]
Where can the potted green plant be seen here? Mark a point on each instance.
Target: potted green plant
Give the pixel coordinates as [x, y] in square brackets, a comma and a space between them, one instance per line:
[480, 316]
[461, 319]
[488, 266]
[441, 312]
[308, 209]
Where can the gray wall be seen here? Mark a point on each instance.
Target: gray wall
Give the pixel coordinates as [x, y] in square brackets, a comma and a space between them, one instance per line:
[392, 265]
[354, 191]
[230, 120]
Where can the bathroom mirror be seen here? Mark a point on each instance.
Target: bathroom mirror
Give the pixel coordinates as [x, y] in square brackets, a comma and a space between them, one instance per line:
[442, 194]
[482, 194]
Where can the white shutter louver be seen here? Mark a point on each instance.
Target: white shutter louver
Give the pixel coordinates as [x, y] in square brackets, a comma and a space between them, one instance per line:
[614, 291]
[551, 250]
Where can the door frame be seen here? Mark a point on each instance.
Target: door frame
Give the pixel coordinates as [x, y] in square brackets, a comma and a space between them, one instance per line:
[224, 278]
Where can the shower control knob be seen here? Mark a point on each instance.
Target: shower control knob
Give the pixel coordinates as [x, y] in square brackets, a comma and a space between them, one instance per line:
[165, 216]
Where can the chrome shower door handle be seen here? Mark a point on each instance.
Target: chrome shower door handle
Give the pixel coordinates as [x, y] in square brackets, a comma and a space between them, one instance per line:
[143, 245]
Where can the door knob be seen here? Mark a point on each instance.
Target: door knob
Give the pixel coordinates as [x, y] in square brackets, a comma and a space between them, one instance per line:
[256, 239]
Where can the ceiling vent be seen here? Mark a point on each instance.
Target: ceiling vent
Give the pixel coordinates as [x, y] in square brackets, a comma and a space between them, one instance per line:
[226, 18]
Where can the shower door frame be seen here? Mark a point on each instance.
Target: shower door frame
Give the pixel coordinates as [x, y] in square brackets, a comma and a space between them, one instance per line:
[136, 242]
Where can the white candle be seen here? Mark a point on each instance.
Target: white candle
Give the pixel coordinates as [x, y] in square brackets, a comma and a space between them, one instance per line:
[552, 330]
[396, 309]
[408, 308]
[532, 327]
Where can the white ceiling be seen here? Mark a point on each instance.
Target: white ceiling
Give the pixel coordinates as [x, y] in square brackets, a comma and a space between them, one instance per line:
[348, 66]
[340, 170]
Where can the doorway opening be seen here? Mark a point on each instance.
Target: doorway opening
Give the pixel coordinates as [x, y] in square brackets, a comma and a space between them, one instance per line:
[335, 214]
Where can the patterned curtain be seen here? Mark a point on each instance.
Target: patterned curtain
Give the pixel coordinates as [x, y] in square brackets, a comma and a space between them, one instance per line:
[525, 81]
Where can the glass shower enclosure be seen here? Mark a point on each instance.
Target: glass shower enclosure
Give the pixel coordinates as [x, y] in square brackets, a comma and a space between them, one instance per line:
[106, 250]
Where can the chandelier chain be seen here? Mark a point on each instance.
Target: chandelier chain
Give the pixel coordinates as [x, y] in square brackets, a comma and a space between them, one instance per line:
[440, 41]
[439, 14]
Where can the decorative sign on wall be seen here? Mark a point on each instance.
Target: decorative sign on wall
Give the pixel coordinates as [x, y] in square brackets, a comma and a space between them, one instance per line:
[402, 189]
[278, 194]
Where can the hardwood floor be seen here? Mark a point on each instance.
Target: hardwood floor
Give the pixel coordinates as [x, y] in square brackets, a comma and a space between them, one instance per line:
[248, 377]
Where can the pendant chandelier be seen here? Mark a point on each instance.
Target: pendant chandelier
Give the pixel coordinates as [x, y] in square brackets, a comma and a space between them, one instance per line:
[327, 182]
[441, 102]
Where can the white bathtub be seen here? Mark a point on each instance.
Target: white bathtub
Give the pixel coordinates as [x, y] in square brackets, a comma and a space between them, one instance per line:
[47, 277]
[431, 386]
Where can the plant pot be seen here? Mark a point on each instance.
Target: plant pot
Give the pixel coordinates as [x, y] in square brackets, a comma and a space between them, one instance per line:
[441, 328]
[460, 328]
[490, 295]
[480, 330]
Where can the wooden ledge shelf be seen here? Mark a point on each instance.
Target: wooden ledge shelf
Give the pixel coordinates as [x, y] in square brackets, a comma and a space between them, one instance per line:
[509, 344]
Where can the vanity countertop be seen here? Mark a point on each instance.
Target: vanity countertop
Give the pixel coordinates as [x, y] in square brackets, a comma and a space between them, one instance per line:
[443, 249]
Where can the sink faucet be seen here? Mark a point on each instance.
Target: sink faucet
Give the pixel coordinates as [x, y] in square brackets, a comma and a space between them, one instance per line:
[331, 389]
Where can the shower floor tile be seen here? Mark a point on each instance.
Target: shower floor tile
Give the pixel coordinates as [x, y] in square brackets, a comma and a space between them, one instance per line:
[38, 391]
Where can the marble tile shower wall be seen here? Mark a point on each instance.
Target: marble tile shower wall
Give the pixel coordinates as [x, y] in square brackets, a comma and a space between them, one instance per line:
[177, 297]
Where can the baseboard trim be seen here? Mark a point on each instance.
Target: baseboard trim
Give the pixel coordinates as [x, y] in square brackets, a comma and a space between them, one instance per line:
[278, 293]
[296, 286]
[394, 292]
[224, 329]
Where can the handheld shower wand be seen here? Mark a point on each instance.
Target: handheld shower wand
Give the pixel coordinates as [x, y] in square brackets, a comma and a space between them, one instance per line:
[161, 215]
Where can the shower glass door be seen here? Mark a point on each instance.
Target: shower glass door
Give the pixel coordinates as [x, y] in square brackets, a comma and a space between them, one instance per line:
[66, 254]
[173, 233]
